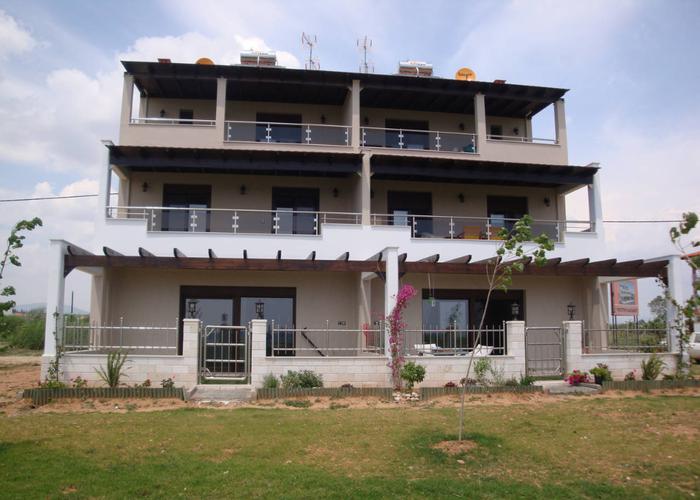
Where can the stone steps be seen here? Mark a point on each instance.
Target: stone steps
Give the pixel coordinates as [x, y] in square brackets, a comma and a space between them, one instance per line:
[221, 392]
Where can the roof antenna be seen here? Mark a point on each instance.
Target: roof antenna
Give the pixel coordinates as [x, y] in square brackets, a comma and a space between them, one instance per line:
[365, 44]
[310, 41]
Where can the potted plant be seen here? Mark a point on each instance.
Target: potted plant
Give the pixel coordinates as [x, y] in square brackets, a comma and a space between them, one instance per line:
[578, 377]
[601, 373]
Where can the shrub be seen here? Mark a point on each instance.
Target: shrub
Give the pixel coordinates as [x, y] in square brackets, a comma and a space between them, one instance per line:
[511, 382]
[79, 382]
[482, 366]
[651, 368]
[144, 384]
[24, 332]
[497, 375]
[526, 379]
[450, 384]
[412, 373]
[167, 383]
[346, 386]
[577, 377]
[304, 379]
[298, 403]
[631, 376]
[602, 372]
[112, 374]
[270, 381]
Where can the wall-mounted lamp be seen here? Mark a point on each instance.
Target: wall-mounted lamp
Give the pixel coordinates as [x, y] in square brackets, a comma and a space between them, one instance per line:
[515, 310]
[460, 197]
[162, 113]
[547, 202]
[192, 308]
[144, 186]
[516, 131]
[323, 118]
[260, 309]
[461, 126]
[571, 309]
[243, 189]
[335, 192]
[371, 193]
[366, 120]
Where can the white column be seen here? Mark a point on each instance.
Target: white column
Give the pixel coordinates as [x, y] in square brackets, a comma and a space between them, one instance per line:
[258, 342]
[515, 345]
[679, 288]
[572, 337]
[55, 295]
[190, 352]
[560, 123]
[480, 125]
[391, 287]
[355, 133]
[220, 107]
[595, 204]
[528, 127]
[105, 187]
[366, 189]
[127, 99]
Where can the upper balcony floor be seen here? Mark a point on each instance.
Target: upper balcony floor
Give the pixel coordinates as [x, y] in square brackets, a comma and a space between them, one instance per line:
[270, 108]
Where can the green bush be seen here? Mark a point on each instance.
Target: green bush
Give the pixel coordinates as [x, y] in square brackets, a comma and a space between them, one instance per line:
[602, 372]
[511, 382]
[270, 381]
[526, 380]
[304, 379]
[112, 374]
[23, 332]
[651, 368]
[482, 367]
[298, 403]
[412, 373]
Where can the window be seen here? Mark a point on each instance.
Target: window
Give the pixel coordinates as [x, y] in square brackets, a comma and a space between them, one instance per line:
[186, 116]
[406, 205]
[504, 211]
[282, 128]
[190, 204]
[295, 210]
[495, 132]
[412, 136]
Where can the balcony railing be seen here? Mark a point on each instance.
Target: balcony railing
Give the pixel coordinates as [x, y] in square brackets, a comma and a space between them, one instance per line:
[518, 138]
[287, 133]
[173, 121]
[325, 342]
[418, 140]
[628, 338]
[473, 228]
[234, 221]
[455, 341]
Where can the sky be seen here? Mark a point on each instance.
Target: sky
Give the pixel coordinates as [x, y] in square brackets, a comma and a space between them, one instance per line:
[631, 67]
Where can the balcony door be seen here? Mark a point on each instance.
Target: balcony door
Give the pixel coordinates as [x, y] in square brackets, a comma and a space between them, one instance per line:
[407, 134]
[278, 127]
[406, 207]
[503, 211]
[295, 210]
[189, 206]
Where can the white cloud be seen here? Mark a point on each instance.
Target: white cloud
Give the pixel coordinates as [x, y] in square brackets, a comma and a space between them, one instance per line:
[14, 39]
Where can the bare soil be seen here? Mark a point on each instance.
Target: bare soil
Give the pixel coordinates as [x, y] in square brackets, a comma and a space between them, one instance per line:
[455, 447]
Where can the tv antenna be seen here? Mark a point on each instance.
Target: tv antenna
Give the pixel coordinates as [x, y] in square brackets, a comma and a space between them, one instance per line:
[365, 44]
[310, 41]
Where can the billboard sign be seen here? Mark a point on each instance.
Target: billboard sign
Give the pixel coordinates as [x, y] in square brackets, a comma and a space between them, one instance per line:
[624, 298]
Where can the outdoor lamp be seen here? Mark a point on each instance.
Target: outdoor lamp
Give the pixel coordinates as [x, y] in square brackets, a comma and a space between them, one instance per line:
[515, 310]
[260, 309]
[192, 308]
[571, 309]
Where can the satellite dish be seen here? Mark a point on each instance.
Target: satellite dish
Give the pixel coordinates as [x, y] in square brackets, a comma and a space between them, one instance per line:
[205, 60]
[465, 74]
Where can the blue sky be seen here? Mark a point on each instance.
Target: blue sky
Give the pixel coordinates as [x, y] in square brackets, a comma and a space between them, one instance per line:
[631, 67]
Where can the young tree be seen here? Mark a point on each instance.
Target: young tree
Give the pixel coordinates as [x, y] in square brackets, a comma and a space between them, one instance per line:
[688, 313]
[517, 249]
[14, 243]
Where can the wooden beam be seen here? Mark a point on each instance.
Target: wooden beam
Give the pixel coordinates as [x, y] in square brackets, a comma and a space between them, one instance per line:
[223, 264]
[403, 257]
[279, 254]
[344, 256]
[145, 253]
[460, 260]
[178, 254]
[312, 255]
[431, 258]
[211, 253]
[74, 250]
[490, 261]
[111, 253]
[245, 253]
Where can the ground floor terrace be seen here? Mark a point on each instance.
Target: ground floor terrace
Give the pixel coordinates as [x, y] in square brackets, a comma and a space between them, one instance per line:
[237, 320]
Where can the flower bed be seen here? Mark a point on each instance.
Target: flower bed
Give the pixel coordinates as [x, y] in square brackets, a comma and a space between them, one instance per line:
[646, 385]
[431, 392]
[41, 396]
[278, 393]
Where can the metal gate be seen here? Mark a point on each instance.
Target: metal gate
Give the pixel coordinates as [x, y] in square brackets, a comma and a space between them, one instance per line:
[544, 351]
[225, 353]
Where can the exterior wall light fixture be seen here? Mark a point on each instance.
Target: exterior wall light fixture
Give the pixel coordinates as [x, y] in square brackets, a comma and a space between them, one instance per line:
[515, 310]
[144, 186]
[547, 201]
[192, 308]
[243, 189]
[260, 309]
[460, 197]
[335, 192]
[571, 309]
[162, 113]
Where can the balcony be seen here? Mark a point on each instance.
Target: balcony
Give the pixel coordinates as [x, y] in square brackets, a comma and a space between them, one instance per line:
[232, 221]
[474, 228]
[287, 133]
[418, 140]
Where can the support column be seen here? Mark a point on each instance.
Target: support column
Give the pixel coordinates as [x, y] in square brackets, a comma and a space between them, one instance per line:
[105, 187]
[190, 352]
[127, 99]
[679, 289]
[560, 123]
[595, 205]
[366, 189]
[355, 132]
[572, 338]
[220, 108]
[258, 343]
[391, 287]
[55, 296]
[528, 127]
[515, 345]
[480, 125]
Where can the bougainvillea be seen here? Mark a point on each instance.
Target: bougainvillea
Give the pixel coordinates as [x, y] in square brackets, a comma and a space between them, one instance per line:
[396, 327]
[577, 377]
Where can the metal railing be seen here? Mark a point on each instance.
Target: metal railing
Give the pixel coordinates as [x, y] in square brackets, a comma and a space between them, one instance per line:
[224, 351]
[234, 221]
[81, 336]
[420, 140]
[453, 341]
[625, 340]
[173, 121]
[473, 228]
[287, 133]
[325, 342]
[518, 138]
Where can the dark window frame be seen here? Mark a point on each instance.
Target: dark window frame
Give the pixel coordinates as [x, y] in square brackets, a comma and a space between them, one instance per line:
[188, 193]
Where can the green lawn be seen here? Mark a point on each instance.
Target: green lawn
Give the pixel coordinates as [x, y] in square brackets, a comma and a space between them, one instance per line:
[580, 447]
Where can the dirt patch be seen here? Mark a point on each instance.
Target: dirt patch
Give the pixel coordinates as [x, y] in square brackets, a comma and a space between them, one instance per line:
[453, 448]
[16, 374]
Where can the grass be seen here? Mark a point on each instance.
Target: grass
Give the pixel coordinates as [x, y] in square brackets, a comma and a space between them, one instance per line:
[584, 447]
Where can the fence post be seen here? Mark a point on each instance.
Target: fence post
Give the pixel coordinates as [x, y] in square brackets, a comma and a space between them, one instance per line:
[190, 351]
[258, 342]
[515, 345]
[572, 340]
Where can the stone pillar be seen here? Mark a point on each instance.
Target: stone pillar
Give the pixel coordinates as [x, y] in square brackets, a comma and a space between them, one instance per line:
[572, 339]
[480, 123]
[55, 296]
[679, 288]
[366, 189]
[515, 345]
[190, 352]
[220, 108]
[560, 123]
[595, 204]
[258, 342]
[127, 99]
[391, 287]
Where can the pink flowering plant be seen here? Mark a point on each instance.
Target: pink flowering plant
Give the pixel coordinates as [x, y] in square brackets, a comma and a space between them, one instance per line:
[396, 327]
[577, 377]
